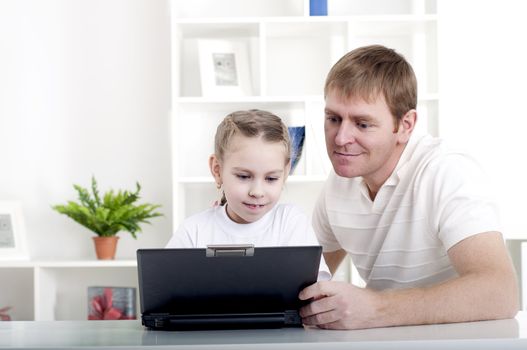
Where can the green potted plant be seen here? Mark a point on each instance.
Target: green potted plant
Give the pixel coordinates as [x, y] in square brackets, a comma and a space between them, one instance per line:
[107, 215]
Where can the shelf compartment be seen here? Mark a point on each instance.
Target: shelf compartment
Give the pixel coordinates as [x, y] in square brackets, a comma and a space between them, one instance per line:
[202, 119]
[299, 54]
[237, 8]
[416, 40]
[63, 290]
[381, 7]
[185, 46]
[16, 290]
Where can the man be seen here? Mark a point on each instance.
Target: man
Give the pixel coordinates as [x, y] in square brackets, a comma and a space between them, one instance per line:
[414, 215]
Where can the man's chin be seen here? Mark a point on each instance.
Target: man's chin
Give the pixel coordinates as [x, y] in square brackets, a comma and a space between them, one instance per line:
[345, 172]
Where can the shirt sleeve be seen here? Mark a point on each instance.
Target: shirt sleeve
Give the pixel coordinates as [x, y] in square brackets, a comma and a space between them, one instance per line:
[461, 200]
[321, 225]
[182, 238]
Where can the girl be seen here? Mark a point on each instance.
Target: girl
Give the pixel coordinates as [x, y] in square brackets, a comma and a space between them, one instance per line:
[250, 164]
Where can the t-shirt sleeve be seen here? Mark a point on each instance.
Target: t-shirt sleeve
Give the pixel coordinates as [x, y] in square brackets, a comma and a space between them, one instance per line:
[322, 228]
[182, 238]
[461, 199]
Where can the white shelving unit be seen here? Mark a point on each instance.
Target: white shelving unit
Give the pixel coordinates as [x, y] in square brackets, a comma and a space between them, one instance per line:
[523, 274]
[289, 55]
[57, 290]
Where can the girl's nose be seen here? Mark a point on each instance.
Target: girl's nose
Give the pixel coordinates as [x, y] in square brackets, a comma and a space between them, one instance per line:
[256, 191]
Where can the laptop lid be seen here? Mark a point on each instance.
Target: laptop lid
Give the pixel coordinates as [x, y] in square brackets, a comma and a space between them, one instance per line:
[224, 286]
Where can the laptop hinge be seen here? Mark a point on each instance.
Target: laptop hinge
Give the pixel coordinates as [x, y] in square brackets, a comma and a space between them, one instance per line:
[223, 250]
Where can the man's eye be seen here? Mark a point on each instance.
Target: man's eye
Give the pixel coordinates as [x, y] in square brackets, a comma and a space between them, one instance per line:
[363, 125]
[332, 119]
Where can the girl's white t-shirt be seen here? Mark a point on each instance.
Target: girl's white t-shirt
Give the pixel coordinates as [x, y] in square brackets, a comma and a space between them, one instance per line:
[284, 225]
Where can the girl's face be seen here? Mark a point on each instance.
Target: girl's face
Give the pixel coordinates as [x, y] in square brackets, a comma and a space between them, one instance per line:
[253, 173]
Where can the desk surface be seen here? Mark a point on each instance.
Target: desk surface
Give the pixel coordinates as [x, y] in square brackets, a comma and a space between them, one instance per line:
[509, 334]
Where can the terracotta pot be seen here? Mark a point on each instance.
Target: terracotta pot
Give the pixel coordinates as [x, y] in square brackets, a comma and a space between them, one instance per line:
[105, 247]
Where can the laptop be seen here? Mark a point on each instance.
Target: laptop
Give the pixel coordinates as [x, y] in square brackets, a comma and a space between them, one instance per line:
[224, 286]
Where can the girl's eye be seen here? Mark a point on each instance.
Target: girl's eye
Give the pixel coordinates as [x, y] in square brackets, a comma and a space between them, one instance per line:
[243, 176]
[272, 179]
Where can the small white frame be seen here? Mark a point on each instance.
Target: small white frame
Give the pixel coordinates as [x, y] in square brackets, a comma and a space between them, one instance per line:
[224, 68]
[12, 232]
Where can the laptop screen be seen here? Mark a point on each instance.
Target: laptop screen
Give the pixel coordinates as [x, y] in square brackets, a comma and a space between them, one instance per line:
[188, 282]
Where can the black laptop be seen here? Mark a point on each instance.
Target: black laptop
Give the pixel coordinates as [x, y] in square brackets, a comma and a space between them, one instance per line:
[223, 287]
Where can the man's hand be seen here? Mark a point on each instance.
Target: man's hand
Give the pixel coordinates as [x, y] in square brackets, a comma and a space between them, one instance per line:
[339, 305]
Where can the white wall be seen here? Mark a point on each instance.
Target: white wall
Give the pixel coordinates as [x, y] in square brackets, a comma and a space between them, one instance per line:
[483, 94]
[84, 89]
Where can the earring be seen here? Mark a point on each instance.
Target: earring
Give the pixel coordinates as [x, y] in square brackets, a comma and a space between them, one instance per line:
[219, 188]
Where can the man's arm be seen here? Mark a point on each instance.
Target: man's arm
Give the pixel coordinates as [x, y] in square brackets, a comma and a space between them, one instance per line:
[485, 289]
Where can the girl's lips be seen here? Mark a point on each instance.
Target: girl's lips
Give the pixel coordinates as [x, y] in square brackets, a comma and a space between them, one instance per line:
[254, 206]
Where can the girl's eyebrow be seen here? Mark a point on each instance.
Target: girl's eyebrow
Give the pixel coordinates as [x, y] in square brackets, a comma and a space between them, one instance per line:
[276, 171]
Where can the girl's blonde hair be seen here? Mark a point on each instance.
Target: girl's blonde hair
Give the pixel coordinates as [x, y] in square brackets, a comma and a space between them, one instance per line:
[250, 123]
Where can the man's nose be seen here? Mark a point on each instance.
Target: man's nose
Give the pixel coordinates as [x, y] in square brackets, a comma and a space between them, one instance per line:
[345, 134]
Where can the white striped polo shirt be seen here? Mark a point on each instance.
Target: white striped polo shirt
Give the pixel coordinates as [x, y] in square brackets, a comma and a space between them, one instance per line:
[435, 198]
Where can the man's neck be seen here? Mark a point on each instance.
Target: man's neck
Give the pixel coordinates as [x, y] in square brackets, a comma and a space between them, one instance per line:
[375, 182]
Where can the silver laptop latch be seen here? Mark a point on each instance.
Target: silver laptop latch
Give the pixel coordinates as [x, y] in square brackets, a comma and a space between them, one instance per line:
[224, 250]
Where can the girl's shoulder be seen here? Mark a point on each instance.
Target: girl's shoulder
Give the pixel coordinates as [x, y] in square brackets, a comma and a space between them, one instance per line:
[288, 209]
[202, 216]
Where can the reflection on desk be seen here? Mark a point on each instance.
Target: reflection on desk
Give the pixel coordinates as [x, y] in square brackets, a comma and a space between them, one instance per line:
[107, 334]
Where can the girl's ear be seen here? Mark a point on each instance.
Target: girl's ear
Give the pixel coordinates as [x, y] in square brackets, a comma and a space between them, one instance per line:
[215, 169]
[287, 170]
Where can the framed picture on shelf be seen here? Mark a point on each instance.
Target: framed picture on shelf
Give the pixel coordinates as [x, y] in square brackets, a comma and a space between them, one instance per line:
[224, 68]
[12, 232]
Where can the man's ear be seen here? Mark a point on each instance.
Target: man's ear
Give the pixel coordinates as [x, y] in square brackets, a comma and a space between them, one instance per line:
[215, 168]
[407, 125]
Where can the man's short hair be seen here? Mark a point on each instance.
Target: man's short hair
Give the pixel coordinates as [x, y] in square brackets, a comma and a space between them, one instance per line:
[369, 71]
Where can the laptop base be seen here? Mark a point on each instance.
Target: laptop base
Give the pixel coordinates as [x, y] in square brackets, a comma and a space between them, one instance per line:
[222, 321]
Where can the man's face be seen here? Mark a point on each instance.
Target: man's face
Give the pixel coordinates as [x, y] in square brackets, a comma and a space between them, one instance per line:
[360, 138]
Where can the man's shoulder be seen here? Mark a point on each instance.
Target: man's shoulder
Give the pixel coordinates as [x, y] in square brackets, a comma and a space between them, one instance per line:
[431, 154]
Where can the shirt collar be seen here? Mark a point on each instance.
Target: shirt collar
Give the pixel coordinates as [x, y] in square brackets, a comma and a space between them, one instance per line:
[406, 156]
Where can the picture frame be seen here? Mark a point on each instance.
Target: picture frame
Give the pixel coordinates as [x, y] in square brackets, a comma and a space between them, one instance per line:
[224, 68]
[12, 232]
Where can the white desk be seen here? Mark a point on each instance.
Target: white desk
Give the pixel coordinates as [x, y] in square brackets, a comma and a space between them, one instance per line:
[504, 334]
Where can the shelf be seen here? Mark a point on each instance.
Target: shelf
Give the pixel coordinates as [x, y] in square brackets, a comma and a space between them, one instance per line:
[67, 263]
[247, 99]
[232, 9]
[199, 101]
